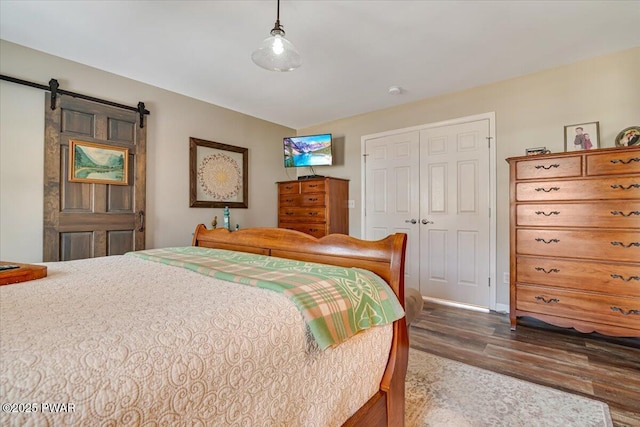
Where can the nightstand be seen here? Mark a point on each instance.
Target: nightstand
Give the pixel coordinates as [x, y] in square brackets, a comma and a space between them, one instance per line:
[23, 273]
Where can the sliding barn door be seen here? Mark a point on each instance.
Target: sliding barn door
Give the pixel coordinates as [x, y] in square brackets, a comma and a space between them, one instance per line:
[92, 219]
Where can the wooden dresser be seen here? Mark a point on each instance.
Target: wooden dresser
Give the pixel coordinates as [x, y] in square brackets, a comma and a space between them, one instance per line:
[317, 206]
[575, 240]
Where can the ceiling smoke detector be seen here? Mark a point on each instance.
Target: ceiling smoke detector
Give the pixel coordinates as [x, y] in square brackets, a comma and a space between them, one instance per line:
[395, 90]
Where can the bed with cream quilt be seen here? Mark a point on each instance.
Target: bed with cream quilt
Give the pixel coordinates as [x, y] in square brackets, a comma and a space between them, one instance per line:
[144, 340]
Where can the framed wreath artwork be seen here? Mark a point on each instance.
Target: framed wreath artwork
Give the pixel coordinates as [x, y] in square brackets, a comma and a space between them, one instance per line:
[217, 175]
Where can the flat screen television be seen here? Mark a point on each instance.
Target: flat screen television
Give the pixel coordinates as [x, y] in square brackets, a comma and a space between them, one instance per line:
[308, 150]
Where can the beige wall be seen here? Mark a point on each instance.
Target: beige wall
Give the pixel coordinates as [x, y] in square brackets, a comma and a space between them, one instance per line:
[174, 118]
[531, 111]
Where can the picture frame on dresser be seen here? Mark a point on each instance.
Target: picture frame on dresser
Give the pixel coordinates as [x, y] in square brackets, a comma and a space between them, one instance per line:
[582, 136]
[218, 175]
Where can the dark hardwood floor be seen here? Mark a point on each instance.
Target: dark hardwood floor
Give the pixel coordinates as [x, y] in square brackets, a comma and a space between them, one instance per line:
[591, 365]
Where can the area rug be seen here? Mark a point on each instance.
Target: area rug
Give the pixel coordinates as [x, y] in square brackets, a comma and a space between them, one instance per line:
[445, 393]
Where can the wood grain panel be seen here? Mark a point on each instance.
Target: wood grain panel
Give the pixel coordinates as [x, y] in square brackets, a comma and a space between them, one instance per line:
[549, 167]
[619, 188]
[614, 214]
[585, 306]
[587, 244]
[611, 278]
[613, 163]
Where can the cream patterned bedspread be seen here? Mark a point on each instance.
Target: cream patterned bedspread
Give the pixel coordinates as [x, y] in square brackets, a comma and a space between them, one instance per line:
[124, 341]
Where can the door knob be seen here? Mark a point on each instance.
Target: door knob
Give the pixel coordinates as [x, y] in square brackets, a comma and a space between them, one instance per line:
[412, 221]
[424, 221]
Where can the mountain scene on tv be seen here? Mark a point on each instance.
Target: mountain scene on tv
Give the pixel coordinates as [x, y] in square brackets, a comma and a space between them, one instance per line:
[91, 162]
[307, 151]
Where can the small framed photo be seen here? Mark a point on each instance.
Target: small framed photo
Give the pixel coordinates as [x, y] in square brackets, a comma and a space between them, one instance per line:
[583, 136]
[537, 150]
[98, 163]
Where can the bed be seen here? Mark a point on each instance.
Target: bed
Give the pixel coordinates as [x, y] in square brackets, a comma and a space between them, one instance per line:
[155, 339]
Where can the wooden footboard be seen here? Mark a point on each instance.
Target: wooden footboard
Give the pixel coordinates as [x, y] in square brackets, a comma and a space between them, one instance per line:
[384, 257]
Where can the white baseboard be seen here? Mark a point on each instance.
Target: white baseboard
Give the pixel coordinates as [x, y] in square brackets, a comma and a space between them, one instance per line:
[456, 304]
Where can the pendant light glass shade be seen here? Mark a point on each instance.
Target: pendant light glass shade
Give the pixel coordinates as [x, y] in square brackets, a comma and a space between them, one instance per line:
[276, 53]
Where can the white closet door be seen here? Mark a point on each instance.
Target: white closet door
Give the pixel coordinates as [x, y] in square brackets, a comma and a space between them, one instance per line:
[392, 194]
[454, 213]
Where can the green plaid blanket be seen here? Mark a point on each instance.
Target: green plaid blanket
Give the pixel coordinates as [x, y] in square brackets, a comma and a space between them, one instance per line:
[336, 302]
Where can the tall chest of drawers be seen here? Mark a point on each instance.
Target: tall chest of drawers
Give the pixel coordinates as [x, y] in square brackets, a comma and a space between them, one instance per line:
[317, 206]
[575, 240]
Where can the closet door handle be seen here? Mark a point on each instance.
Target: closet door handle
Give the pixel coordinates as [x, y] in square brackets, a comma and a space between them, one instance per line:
[141, 216]
[424, 221]
[412, 221]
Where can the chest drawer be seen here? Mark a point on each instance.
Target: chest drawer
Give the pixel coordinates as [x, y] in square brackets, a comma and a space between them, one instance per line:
[585, 189]
[312, 187]
[289, 188]
[603, 245]
[609, 278]
[549, 168]
[614, 214]
[613, 163]
[312, 199]
[607, 309]
[302, 214]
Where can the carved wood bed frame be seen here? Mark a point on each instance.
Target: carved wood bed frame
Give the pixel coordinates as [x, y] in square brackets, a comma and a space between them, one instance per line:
[384, 257]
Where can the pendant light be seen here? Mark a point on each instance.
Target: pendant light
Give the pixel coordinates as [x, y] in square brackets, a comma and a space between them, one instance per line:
[276, 53]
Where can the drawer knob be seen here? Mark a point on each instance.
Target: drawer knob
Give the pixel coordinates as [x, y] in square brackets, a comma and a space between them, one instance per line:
[626, 312]
[555, 165]
[288, 213]
[622, 187]
[617, 276]
[623, 214]
[549, 190]
[540, 239]
[626, 162]
[547, 301]
[289, 200]
[313, 213]
[547, 214]
[313, 199]
[552, 270]
[636, 244]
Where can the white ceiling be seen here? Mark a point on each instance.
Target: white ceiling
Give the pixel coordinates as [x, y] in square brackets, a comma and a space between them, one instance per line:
[352, 51]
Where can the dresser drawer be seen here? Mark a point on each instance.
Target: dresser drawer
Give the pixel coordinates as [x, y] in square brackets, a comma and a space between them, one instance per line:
[613, 163]
[312, 186]
[289, 188]
[591, 307]
[610, 278]
[316, 230]
[549, 168]
[312, 199]
[290, 199]
[613, 214]
[302, 214]
[602, 245]
[584, 189]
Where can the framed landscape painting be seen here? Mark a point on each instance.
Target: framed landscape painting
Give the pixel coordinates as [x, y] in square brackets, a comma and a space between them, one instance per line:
[90, 162]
